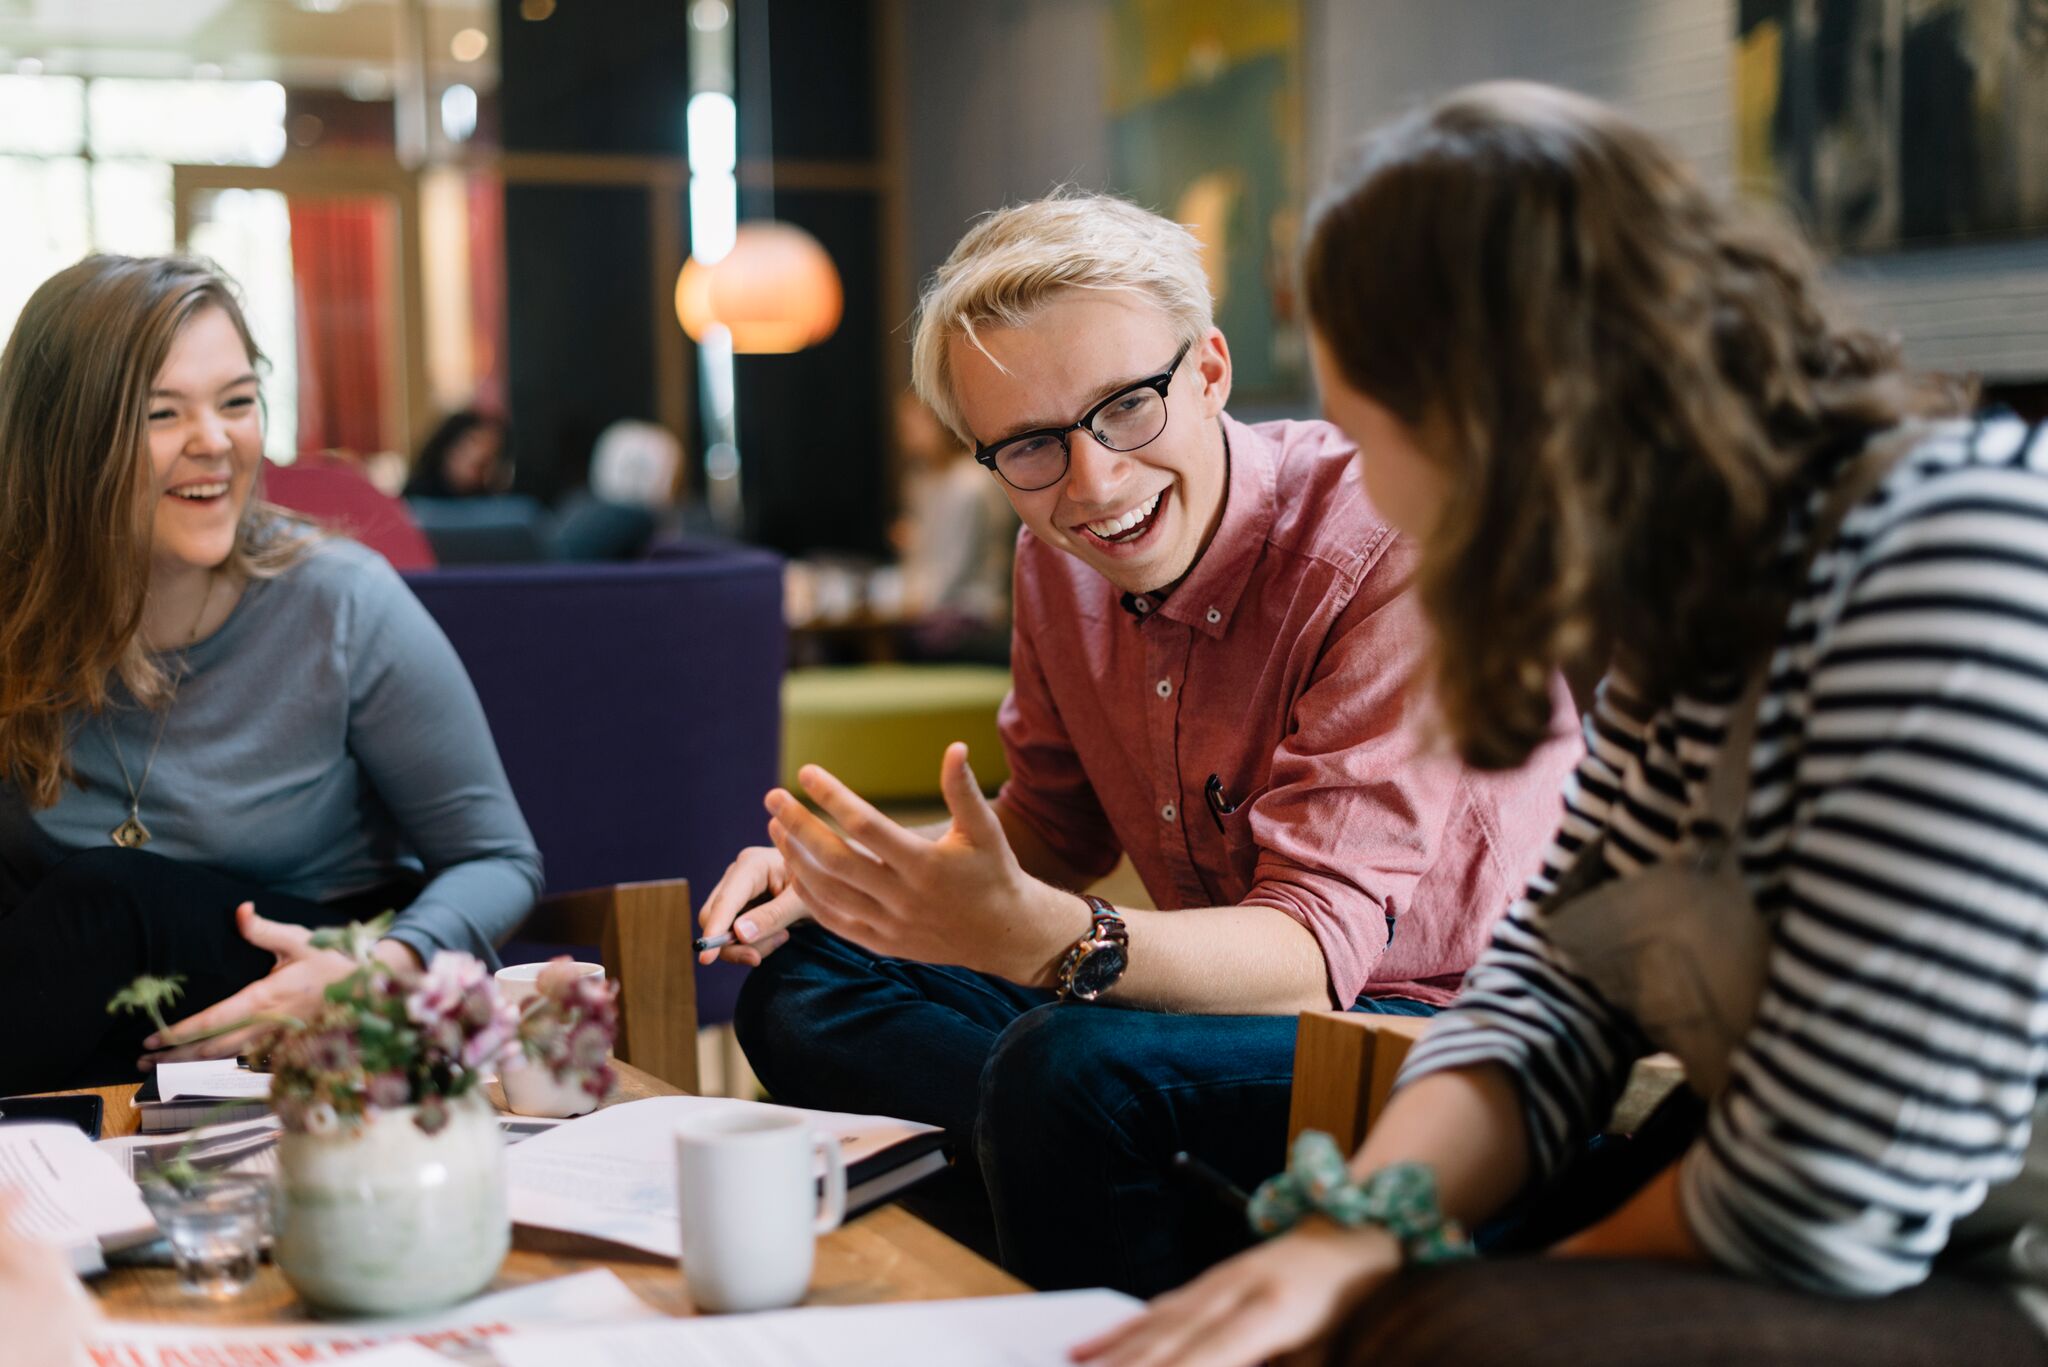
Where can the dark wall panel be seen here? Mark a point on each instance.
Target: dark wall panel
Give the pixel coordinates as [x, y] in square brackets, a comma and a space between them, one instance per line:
[591, 79]
[811, 424]
[822, 81]
[612, 76]
[577, 312]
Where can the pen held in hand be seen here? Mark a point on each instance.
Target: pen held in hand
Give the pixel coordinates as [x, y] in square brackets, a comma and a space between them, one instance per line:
[728, 938]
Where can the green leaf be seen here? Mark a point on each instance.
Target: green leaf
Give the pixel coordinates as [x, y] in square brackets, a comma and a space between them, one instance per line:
[147, 993]
[358, 939]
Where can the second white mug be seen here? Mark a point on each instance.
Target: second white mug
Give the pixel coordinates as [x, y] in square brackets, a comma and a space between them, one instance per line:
[749, 1205]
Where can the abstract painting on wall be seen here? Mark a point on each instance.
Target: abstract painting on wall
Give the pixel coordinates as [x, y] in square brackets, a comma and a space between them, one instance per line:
[1891, 123]
[1206, 127]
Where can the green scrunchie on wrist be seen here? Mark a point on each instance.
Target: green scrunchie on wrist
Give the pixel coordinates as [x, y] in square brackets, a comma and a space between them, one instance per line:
[1400, 1199]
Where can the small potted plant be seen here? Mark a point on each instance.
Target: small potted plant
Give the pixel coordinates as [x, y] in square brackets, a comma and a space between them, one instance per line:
[391, 1168]
[566, 1032]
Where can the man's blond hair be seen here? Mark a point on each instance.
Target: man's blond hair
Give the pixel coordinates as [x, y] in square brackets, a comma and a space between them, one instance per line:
[1016, 260]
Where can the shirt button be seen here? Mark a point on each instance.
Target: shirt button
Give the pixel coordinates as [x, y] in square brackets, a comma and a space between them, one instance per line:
[1166, 813]
[1163, 688]
[1143, 605]
[1214, 617]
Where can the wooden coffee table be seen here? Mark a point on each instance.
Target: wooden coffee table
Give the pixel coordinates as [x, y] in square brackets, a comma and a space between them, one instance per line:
[886, 1255]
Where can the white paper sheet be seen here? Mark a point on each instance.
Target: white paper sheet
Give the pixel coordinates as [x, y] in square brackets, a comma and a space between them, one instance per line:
[465, 1333]
[72, 1195]
[221, 1077]
[1001, 1331]
[612, 1174]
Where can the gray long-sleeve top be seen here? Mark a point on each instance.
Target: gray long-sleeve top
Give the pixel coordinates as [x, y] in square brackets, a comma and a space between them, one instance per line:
[325, 740]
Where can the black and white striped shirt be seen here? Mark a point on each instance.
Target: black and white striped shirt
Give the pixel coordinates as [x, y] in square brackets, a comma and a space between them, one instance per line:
[1898, 823]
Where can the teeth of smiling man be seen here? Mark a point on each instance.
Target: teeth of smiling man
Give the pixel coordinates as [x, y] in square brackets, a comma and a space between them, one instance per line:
[197, 491]
[1112, 527]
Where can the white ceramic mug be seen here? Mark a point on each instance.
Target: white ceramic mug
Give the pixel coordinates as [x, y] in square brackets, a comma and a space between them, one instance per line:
[518, 982]
[747, 1185]
[530, 1089]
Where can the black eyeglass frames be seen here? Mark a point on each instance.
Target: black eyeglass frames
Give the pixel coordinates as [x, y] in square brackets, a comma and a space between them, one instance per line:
[1132, 417]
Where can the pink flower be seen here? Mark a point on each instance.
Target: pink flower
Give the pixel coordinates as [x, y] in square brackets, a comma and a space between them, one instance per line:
[444, 989]
[443, 1037]
[559, 978]
[331, 1051]
[589, 1043]
[389, 1090]
[480, 1006]
[496, 1044]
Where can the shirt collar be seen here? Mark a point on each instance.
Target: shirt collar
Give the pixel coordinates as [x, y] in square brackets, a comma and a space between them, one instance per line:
[1143, 605]
[1206, 597]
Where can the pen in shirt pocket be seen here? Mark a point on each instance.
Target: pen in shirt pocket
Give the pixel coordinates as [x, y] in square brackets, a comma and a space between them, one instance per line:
[1219, 805]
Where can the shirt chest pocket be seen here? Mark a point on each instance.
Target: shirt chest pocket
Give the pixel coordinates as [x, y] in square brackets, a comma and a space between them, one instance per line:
[1222, 839]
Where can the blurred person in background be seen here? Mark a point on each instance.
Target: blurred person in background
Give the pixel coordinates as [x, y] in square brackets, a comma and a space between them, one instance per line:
[465, 457]
[636, 472]
[956, 538]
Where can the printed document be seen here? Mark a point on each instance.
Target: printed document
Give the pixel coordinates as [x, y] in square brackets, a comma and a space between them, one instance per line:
[998, 1331]
[612, 1174]
[72, 1195]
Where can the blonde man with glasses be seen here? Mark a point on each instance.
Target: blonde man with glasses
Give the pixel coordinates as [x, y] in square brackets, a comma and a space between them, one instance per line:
[1214, 653]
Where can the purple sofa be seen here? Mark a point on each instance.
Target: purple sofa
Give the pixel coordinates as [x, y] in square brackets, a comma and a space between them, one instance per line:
[637, 708]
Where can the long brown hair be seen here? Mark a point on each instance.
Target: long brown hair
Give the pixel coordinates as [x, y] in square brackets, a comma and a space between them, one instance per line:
[75, 513]
[1628, 381]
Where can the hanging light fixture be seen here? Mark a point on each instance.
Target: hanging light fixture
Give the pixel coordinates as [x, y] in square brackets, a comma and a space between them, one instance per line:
[763, 287]
[776, 291]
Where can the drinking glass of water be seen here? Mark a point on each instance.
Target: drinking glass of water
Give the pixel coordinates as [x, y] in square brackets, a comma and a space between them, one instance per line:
[216, 1230]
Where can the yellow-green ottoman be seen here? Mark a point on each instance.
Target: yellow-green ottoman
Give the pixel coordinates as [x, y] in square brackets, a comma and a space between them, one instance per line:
[883, 728]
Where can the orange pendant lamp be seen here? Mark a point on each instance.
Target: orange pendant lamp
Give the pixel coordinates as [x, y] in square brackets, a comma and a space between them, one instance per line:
[776, 291]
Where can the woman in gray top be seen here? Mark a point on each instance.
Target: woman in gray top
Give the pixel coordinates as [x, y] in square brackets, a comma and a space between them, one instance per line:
[218, 728]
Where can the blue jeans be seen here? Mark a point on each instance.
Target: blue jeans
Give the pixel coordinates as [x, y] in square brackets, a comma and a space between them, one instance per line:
[1071, 1112]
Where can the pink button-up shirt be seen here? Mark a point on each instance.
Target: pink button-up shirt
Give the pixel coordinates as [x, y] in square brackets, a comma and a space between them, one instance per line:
[1285, 664]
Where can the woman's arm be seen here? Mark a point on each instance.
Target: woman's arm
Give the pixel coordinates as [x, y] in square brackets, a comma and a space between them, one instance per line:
[1285, 1294]
[418, 730]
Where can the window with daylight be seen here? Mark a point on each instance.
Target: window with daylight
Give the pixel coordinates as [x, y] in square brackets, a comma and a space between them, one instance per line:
[85, 165]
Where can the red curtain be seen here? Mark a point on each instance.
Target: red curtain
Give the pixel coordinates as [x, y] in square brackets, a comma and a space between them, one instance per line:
[487, 290]
[341, 265]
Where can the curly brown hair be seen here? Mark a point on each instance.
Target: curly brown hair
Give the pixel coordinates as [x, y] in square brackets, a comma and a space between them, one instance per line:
[1629, 382]
[75, 499]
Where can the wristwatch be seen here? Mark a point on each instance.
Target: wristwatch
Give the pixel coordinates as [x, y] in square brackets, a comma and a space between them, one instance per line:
[1098, 959]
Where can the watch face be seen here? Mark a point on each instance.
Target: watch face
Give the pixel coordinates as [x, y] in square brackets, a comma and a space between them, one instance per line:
[1098, 972]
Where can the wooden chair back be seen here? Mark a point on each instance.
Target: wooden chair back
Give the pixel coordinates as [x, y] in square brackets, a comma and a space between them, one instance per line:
[644, 933]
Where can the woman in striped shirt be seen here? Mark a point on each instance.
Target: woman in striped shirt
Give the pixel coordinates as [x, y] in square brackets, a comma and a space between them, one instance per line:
[1627, 435]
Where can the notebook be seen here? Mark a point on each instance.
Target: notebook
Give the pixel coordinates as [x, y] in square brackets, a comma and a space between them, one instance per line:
[180, 1096]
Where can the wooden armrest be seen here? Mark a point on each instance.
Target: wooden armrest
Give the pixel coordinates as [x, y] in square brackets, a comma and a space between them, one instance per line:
[645, 936]
[1345, 1063]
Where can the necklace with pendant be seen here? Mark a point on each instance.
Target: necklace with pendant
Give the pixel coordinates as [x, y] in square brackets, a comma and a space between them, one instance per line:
[131, 834]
